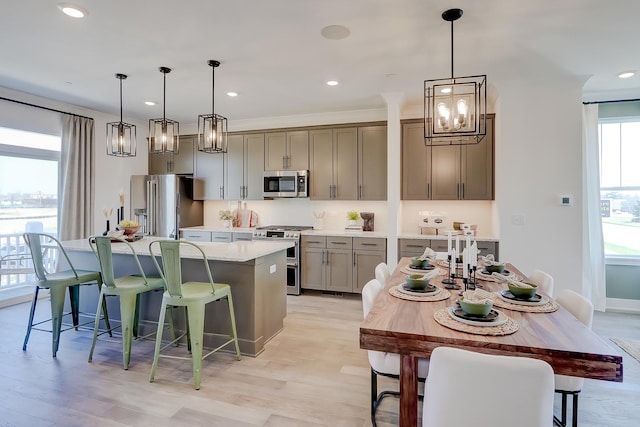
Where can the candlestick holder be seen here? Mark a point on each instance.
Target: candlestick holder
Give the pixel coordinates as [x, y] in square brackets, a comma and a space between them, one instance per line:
[107, 230]
[450, 281]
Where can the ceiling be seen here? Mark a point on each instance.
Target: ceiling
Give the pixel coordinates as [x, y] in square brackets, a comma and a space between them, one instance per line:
[274, 56]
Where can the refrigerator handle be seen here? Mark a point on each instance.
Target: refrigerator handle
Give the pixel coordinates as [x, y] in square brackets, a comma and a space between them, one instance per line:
[151, 207]
[176, 232]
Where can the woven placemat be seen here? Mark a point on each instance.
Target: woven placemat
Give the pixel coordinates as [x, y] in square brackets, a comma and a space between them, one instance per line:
[435, 271]
[442, 295]
[491, 277]
[444, 319]
[549, 307]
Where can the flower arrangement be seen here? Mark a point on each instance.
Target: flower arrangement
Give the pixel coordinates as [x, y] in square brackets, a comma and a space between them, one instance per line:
[225, 215]
[353, 216]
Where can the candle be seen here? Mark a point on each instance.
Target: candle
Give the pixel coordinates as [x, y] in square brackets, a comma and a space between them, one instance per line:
[469, 242]
[457, 244]
[474, 259]
[449, 243]
[465, 269]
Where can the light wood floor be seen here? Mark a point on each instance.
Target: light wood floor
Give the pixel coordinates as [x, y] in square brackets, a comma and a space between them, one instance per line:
[312, 374]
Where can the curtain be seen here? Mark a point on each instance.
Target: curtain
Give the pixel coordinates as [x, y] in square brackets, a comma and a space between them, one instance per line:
[77, 173]
[593, 275]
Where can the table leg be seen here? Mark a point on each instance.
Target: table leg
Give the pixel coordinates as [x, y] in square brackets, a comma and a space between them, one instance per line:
[408, 390]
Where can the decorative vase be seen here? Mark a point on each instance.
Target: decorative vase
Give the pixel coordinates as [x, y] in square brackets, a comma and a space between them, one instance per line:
[352, 222]
[226, 223]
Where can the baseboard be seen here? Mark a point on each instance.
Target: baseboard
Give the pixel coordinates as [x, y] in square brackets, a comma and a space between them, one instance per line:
[623, 305]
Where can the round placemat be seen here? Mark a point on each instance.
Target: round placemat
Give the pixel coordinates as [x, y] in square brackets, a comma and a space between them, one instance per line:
[490, 278]
[549, 307]
[442, 316]
[435, 271]
[397, 292]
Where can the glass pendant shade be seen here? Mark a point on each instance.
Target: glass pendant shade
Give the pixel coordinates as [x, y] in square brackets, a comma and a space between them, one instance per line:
[455, 108]
[121, 136]
[212, 128]
[164, 134]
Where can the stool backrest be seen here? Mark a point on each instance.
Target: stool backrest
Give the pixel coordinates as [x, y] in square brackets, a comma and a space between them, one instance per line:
[101, 246]
[34, 242]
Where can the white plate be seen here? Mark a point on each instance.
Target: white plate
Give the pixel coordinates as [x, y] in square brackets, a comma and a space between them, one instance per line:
[401, 289]
[543, 300]
[502, 319]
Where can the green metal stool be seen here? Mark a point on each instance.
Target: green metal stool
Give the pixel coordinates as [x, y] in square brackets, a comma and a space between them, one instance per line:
[128, 288]
[57, 283]
[193, 296]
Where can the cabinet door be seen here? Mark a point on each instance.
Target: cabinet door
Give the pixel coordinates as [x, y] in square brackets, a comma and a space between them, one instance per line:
[372, 163]
[412, 247]
[221, 236]
[477, 167]
[159, 163]
[339, 270]
[445, 173]
[365, 266]
[416, 157]
[211, 169]
[321, 167]
[298, 150]
[253, 166]
[183, 161]
[196, 235]
[235, 164]
[275, 151]
[313, 268]
[439, 245]
[345, 164]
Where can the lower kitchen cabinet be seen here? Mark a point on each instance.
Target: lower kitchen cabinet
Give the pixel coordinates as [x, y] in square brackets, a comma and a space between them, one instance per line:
[415, 247]
[196, 235]
[340, 264]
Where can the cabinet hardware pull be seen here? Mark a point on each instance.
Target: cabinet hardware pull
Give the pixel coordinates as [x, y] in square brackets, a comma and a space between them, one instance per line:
[339, 243]
[313, 241]
[428, 191]
[369, 244]
[360, 192]
[415, 246]
[463, 190]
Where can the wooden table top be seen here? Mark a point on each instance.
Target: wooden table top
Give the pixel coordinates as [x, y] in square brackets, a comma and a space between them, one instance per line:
[407, 327]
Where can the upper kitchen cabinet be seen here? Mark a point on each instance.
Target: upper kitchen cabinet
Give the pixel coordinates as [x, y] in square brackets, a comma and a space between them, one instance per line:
[245, 163]
[212, 169]
[333, 161]
[181, 163]
[286, 151]
[372, 163]
[457, 172]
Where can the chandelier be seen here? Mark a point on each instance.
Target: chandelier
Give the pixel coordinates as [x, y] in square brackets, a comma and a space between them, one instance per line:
[212, 128]
[121, 136]
[455, 108]
[164, 133]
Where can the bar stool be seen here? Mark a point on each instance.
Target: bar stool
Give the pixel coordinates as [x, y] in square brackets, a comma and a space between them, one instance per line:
[57, 283]
[193, 296]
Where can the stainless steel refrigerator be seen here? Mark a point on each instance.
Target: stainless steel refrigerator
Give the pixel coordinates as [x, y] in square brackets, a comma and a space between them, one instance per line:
[163, 204]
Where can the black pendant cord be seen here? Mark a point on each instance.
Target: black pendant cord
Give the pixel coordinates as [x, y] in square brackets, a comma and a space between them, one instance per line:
[164, 97]
[120, 100]
[452, 50]
[43, 108]
[213, 89]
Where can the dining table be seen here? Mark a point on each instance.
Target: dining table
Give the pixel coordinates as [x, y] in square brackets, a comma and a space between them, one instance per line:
[413, 328]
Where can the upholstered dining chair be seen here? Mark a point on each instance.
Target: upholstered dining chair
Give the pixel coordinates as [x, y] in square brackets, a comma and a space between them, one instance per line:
[128, 288]
[382, 363]
[382, 273]
[582, 309]
[543, 280]
[193, 296]
[466, 388]
[57, 282]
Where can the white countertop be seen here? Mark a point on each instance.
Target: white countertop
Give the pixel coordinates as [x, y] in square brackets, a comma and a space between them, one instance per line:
[444, 237]
[343, 233]
[225, 229]
[240, 251]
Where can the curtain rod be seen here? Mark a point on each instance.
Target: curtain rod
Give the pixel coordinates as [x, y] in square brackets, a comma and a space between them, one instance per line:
[610, 102]
[43, 108]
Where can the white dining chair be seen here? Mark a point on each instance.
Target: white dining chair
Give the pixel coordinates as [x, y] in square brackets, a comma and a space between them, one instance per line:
[543, 280]
[582, 309]
[382, 273]
[466, 388]
[382, 363]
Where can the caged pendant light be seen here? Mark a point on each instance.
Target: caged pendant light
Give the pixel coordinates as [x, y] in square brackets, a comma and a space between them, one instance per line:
[455, 108]
[164, 133]
[121, 136]
[212, 128]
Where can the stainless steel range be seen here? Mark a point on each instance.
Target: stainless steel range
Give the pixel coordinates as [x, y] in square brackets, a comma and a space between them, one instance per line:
[288, 232]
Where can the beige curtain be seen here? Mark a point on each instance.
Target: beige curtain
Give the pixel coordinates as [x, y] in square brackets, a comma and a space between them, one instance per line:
[77, 173]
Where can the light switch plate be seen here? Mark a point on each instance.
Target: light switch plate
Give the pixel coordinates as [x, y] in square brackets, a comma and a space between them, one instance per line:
[518, 219]
[566, 200]
[272, 269]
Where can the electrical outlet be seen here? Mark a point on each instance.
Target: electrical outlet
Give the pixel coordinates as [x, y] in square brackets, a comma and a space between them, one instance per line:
[518, 219]
[272, 269]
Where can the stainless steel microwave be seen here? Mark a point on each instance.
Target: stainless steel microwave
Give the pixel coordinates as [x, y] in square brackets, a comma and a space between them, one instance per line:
[279, 184]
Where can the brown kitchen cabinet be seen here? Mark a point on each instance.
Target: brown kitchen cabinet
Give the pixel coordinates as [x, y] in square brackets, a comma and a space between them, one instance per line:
[211, 168]
[415, 247]
[286, 150]
[464, 172]
[245, 163]
[333, 164]
[181, 163]
[367, 254]
[372, 163]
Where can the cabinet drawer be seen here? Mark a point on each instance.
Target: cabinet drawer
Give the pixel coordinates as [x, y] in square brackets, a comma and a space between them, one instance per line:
[339, 242]
[439, 245]
[220, 236]
[242, 236]
[414, 245]
[197, 236]
[369, 244]
[314, 242]
[486, 248]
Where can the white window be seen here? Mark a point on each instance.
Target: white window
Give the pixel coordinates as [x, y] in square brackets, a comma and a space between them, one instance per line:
[29, 185]
[620, 185]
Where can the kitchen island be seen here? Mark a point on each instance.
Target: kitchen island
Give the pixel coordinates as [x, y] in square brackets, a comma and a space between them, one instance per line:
[256, 272]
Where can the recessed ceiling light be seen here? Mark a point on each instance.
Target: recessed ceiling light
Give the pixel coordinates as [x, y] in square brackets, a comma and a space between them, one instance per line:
[73, 10]
[149, 103]
[335, 32]
[626, 74]
[332, 83]
[232, 94]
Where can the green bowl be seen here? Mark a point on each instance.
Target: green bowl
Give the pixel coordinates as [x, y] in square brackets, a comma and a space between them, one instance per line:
[417, 281]
[417, 262]
[475, 308]
[495, 268]
[520, 292]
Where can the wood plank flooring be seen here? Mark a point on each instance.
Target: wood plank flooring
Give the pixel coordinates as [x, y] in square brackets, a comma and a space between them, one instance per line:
[312, 374]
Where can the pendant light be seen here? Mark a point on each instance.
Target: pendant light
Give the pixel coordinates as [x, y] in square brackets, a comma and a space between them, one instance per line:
[455, 108]
[164, 133]
[121, 136]
[212, 128]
